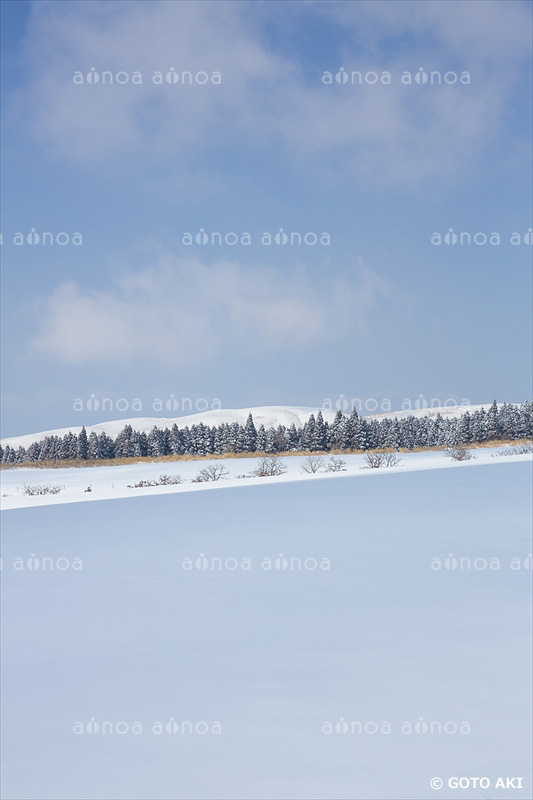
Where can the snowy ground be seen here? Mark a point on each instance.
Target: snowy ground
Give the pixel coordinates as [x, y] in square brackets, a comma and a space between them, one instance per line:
[113, 481]
[355, 622]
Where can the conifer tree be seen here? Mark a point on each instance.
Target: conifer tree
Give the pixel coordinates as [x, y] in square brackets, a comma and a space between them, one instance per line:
[250, 435]
[82, 444]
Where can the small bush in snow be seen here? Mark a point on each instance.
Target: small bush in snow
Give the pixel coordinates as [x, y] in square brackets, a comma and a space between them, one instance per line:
[312, 464]
[459, 453]
[33, 490]
[214, 472]
[164, 480]
[378, 460]
[169, 480]
[269, 466]
[336, 465]
[517, 450]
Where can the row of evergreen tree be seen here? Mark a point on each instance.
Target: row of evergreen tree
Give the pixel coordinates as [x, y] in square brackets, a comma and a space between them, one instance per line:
[344, 433]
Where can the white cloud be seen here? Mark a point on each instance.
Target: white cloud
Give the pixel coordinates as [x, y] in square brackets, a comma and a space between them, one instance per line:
[183, 311]
[395, 132]
[93, 121]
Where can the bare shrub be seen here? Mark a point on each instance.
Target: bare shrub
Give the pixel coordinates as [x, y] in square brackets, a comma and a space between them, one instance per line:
[516, 450]
[164, 480]
[269, 466]
[459, 453]
[391, 460]
[379, 460]
[169, 480]
[336, 465]
[214, 472]
[47, 489]
[312, 464]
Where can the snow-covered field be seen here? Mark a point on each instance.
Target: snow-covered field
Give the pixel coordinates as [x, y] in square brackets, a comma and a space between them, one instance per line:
[279, 639]
[113, 481]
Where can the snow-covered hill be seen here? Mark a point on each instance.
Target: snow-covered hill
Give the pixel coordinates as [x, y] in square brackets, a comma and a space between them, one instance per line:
[269, 416]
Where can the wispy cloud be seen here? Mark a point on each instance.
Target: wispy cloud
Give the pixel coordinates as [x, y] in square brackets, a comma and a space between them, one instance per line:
[183, 311]
[393, 133]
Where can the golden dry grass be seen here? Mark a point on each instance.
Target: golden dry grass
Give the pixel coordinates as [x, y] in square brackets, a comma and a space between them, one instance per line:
[113, 462]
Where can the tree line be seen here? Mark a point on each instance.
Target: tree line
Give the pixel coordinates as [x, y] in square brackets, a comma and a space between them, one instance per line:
[345, 433]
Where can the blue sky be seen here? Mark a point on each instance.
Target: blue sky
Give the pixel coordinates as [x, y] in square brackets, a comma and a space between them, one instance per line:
[380, 312]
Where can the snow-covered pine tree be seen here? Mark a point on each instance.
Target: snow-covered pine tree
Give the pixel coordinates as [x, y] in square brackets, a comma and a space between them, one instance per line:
[308, 433]
[319, 434]
[261, 439]
[360, 439]
[34, 451]
[271, 441]
[523, 428]
[293, 438]
[408, 438]
[351, 428]
[205, 436]
[143, 443]
[421, 428]
[464, 431]
[492, 425]
[395, 435]
[211, 443]
[156, 443]
[107, 446]
[240, 440]
[451, 435]
[47, 449]
[72, 440]
[186, 440]
[82, 444]
[197, 441]
[123, 443]
[93, 447]
[136, 442]
[281, 440]
[174, 441]
[250, 435]
[335, 432]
